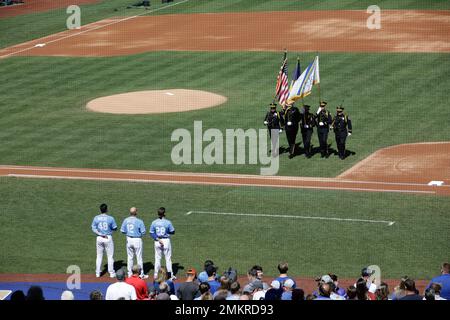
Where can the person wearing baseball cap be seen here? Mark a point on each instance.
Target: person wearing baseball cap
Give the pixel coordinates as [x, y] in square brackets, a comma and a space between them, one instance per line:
[340, 291]
[308, 122]
[287, 289]
[342, 126]
[275, 291]
[273, 120]
[189, 290]
[291, 116]
[324, 120]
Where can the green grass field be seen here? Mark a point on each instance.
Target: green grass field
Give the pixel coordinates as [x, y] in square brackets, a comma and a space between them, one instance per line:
[44, 120]
[46, 227]
[45, 224]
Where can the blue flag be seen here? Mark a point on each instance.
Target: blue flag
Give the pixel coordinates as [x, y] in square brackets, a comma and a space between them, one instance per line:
[297, 73]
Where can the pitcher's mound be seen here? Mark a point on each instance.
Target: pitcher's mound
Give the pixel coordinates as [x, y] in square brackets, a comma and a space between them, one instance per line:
[156, 101]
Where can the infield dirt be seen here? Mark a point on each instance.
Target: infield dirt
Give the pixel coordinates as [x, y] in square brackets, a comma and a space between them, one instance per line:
[321, 31]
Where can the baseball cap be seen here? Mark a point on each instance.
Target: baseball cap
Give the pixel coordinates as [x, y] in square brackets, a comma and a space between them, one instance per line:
[192, 271]
[289, 283]
[248, 288]
[326, 279]
[275, 284]
[367, 272]
[252, 286]
[257, 284]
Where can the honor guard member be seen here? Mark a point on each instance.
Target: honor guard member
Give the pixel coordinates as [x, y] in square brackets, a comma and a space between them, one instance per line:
[273, 119]
[323, 121]
[291, 119]
[307, 122]
[342, 126]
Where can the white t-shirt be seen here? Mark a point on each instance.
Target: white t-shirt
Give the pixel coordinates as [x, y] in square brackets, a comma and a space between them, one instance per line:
[120, 290]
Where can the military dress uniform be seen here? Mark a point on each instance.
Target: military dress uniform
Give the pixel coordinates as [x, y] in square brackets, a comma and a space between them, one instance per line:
[342, 126]
[308, 122]
[323, 120]
[291, 116]
[273, 119]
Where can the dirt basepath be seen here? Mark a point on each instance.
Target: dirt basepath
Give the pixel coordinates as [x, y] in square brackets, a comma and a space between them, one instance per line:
[33, 6]
[323, 31]
[406, 163]
[403, 172]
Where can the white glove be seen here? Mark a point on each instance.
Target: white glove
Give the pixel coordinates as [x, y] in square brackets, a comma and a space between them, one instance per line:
[289, 123]
[281, 130]
[320, 123]
[306, 126]
[349, 134]
[265, 122]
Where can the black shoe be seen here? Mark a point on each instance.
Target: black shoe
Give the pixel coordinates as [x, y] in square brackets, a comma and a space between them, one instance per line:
[291, 156]
[322, 155]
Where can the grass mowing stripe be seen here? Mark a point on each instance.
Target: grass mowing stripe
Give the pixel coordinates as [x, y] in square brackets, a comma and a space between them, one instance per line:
[55, 218]
[62, 86]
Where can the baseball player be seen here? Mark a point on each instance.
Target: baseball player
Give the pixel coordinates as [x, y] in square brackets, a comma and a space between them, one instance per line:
[160, 230]
[134, 229]
[103, 226]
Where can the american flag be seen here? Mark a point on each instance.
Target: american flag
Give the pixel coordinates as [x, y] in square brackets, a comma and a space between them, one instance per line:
[282, 88]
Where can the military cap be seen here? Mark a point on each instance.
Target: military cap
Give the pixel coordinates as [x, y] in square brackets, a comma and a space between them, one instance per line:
[306, 106]
[273, 105]
[323, 103]
[339, 109]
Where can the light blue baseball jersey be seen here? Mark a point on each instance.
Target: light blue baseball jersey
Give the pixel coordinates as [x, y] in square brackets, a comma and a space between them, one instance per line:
[133, 227]
[103, 225]
[161, 228]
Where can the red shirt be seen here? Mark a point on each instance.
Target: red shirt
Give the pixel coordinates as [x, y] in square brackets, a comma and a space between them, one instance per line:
[139, 285]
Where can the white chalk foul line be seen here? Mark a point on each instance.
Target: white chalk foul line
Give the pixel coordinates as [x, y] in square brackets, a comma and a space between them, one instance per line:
[36, 176]
[96, 28]
[389, 223]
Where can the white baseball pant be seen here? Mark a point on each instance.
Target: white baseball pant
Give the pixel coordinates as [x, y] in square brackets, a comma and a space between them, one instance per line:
[134, 247]
[166, 249]
[105, 244]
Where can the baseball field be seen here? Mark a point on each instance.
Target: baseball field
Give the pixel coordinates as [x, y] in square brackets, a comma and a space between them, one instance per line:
[386, 204]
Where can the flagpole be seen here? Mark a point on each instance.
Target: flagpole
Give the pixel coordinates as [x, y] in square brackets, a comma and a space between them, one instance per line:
[284, 59]
[303, 101]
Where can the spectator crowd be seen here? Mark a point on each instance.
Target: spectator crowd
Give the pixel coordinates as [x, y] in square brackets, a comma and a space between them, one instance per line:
[210, 285]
